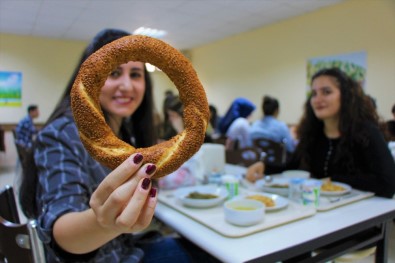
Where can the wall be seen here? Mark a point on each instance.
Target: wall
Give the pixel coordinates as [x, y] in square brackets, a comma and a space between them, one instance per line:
[46, 66]
[272, 60]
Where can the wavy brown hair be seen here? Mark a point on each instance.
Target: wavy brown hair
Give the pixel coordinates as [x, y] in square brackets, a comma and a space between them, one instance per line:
[356, 109]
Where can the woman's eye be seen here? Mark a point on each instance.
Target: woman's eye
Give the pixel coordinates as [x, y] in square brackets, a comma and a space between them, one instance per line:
[115, 74]
[327, 91]
[135, 75]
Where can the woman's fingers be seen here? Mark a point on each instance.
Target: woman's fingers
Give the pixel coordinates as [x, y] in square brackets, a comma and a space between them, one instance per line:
[131, 193]
[116, 178]
[148, 211]
[141, 206]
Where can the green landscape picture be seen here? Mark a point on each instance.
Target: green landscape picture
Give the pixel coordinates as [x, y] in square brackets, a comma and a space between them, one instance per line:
[10, 89]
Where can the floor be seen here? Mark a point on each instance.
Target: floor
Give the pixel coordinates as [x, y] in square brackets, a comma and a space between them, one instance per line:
[9, 168]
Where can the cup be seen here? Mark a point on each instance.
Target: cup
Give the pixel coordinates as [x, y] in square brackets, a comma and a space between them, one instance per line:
[311, 191]
[295, 190]
[231, 184]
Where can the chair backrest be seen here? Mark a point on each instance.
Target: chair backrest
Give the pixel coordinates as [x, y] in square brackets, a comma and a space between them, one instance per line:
[220, 140]
[18, 242]
[276, 153]
[22, 152]
[2, 140]
[8, 206]
[244, 156]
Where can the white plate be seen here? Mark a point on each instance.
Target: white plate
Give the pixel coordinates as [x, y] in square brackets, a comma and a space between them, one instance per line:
[182, 193]
[270, 187]
[346, 190]
[280, 202]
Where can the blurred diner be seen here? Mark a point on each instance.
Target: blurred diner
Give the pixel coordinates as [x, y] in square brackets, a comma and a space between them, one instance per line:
[235, 124]
[269, 127]
[339, 137]
[26, 130]
[391, 125]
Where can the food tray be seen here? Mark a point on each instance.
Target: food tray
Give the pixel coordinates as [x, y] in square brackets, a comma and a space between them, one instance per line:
[214, 217]
[330, 202]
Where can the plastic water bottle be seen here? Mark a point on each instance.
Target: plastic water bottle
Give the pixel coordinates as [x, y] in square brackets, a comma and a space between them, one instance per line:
[295, 190]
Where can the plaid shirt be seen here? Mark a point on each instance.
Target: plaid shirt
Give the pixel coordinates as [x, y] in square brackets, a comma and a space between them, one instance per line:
[67, 178]
[25, 131]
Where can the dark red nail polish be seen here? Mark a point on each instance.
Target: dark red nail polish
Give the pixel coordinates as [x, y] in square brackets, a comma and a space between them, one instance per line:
[150, 169]
[146, 183]
[137, 158]
[152, 192]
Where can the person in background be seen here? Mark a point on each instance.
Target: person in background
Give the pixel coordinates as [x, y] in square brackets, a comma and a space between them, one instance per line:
[25, 130]
[189, 172]
[340, 137]
[235, 124]
[85, 211]
[271, 128]
[391, 125]
[214, 121]
[174, 116]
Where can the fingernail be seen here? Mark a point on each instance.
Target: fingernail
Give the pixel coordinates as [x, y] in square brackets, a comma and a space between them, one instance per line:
[146, 183]
[137, 158]
[152, 192]
[150, 169]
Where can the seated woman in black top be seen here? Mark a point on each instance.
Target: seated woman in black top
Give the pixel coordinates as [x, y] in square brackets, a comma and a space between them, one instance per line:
[339, 137]
[391, 125]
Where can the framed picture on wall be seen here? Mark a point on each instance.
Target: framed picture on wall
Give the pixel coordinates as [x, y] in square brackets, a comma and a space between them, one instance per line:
[10, 89]
[353, 64]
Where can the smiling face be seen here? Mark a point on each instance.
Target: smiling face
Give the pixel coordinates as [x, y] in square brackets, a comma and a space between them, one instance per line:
[123, 90]
[325, 98]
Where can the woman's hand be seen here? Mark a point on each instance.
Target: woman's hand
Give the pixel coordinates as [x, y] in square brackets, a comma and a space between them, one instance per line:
[124, 200]
[255, 172]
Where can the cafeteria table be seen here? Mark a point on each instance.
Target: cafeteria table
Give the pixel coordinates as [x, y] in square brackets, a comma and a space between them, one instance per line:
[333, 232]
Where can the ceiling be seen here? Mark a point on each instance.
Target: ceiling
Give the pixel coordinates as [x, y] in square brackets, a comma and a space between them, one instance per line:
[189, 23]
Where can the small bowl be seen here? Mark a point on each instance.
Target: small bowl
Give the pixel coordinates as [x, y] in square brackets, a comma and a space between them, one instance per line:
[296, 174]
[244, 212]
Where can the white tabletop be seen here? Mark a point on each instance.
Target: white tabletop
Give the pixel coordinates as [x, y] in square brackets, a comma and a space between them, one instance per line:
[278, 238]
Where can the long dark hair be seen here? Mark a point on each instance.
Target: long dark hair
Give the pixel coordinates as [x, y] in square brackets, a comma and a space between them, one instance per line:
[140, 126]
[356, 109]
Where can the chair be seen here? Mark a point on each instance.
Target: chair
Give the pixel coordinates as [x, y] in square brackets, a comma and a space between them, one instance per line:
[8, 208]
[18, 242]
[2, 139]
[22, 151]
[220, 140]
[243, 157]
[276, 153]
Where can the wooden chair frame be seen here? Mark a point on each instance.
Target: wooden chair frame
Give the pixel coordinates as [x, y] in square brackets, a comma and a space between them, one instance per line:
[244, 156]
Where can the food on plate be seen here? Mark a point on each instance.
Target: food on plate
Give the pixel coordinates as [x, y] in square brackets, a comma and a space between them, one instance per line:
[278, 185]
[329, 186]
[198, 195]
[244, 208]
[97, 136]
[269, 202]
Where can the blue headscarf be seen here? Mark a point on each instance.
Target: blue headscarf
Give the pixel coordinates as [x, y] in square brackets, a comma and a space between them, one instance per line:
[240, 107]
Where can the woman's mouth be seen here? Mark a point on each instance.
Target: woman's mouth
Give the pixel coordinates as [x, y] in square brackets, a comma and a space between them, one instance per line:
[123, 100]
